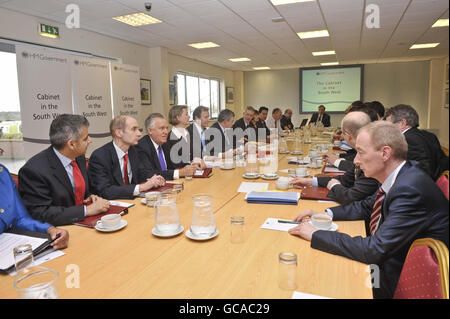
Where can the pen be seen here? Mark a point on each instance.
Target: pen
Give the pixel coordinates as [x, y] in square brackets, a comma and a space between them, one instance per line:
[288, 221]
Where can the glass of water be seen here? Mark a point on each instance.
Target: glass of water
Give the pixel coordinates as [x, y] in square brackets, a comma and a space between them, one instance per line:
[23, 256]
[36, 283]
[287, 271]
[203, 224]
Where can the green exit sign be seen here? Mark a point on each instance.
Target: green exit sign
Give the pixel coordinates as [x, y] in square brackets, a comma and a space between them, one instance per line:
[48, 31]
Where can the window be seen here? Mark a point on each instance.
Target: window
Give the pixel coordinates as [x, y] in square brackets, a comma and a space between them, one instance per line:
[194, 91]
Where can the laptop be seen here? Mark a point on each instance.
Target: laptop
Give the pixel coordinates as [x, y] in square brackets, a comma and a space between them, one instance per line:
[303, 123]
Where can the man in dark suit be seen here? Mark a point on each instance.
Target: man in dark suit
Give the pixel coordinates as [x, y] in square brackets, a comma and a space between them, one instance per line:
[263, 112]
[285, 121]
[321, 116]
[423, 146]
[219, 136]
[154, 152]
[54, 184]
[243, 129]
[114, 168]
[353, 185]
[196, 130]
[408, 206]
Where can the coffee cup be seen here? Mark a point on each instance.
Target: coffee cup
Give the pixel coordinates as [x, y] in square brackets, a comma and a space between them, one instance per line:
[300, 171]
[313, 153]
[282, 184]
[111, 220]
[152, 197]
[321, 221]
[228, 164]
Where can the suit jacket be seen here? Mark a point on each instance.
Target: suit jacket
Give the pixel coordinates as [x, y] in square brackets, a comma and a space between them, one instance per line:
[215, 140]
[424, 147]
[105, 175]
[195, 142]
[148, 156]
[179, 149]
[46, 189]
[248, 131]
[262, 124]
[325, 119]
[354, 186]
[286, 124]
[413, 208]
[13, 212]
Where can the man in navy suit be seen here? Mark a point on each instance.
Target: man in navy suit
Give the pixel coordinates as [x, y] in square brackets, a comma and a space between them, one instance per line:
[154, 152]
[407, 206]
[321, 116]
[219, 136]
[13, 214]
[53, 184]
[114, 168]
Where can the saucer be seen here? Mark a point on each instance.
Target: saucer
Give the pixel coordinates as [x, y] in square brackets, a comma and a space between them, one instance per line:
[269, 177]
[190, 235]
[313, 166]
[296, 152]
[99, 227]
[333, 227]
[158, 234]
[227, 168]
[253, 176]
[295, 175]
[283, 152]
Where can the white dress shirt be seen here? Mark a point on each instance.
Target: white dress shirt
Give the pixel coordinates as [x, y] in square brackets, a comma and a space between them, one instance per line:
[121, 157]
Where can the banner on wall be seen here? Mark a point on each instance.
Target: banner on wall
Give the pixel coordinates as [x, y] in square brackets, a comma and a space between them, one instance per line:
[44, 91]
[125, 83]
[92, 97]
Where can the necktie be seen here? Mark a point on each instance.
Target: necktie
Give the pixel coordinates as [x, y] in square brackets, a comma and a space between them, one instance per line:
[126, 179]
[79, 184]
[161, 159]
[320, 118]
[376, 212]
[203, 139]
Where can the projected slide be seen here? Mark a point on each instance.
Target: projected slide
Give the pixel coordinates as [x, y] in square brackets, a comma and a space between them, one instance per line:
[334, 87]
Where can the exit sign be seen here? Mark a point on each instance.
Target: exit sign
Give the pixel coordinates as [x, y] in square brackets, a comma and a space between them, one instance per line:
[48, 31]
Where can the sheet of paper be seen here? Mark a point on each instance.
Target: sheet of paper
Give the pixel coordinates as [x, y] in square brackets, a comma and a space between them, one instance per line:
[9, 241]
[302, 295]
[273, 224]
[122, 204]
[247, 187]
[42, 258]
[199, 172]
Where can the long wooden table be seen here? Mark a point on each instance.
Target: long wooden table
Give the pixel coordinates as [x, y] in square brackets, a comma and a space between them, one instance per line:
[132, 263]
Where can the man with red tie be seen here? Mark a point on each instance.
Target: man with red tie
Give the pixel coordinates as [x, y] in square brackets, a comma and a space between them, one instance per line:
[114, 169]
[406, 207]
[54, 184]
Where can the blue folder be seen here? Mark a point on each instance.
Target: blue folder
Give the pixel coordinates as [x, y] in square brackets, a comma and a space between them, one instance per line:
[283, 198]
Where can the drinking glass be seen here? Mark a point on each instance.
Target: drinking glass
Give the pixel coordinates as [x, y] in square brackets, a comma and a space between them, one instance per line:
[167, 220]
[36, 283]
[252, 165]
[203, 224]
[287, 271]
[23, 256]
[237, 229]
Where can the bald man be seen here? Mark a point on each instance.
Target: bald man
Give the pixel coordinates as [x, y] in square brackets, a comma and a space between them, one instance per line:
[114, 169]
[353, 185]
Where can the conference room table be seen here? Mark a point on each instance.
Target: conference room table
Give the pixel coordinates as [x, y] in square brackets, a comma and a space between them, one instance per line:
[133, 263]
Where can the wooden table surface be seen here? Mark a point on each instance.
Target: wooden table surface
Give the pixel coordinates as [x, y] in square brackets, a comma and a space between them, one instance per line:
[132, 263]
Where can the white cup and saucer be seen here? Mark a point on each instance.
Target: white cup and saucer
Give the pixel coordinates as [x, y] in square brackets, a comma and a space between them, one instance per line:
[110, 223]
[323, 222]
[283, 183]
[270, 176]
[228, 165]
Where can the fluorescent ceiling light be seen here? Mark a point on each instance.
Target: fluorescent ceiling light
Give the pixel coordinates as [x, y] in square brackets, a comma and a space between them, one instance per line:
[317, 53]
[204, 45]
[137, 19]
[49, 35]
[423, 46]
[329, 63]
[440, 23]
[281, 2]
[261, 68]
[313, 34]
[239, 59]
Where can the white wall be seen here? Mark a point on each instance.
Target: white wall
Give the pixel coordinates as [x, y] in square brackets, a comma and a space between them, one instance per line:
[389, 83]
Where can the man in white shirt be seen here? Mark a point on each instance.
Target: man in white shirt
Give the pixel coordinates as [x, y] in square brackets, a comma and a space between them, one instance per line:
[197, 132]
[273, 122]
[114, 169]
[407, 206]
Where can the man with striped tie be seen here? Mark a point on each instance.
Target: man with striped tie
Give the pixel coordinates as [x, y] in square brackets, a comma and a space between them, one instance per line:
[53, 184]
[114, 169]
[407, 206]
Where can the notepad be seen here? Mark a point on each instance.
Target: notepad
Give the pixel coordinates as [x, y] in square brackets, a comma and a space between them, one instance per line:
[274, 197]
[273, 224]
[247, 187]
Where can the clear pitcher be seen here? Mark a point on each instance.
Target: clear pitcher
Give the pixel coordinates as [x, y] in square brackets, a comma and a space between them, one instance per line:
[203, 224]
[167, 220]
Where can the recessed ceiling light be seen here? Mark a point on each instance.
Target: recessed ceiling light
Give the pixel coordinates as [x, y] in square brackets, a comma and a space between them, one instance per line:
[329, 63]
[239, 59]
[261, 68]
[137, 19]
[423, 46]
[204, 45]
[281, 2]
[313, 34]
[318, 53]
[440, 23]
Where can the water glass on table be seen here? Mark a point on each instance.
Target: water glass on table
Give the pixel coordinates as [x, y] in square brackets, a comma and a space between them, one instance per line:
[237, 229]
[36, 283]
[287, 271]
